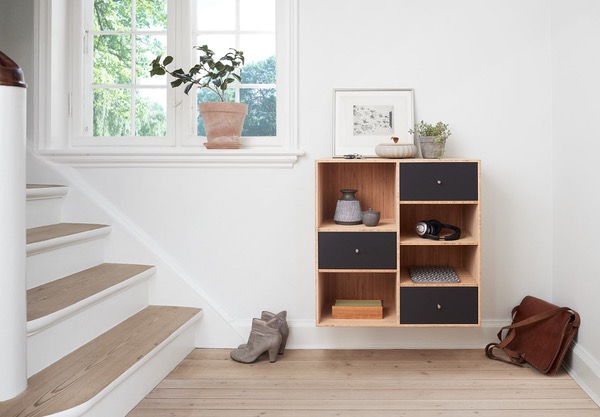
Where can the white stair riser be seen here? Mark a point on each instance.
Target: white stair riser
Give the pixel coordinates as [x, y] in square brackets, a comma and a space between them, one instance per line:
[48, 266]
[42, 212]
[55, 342]
[129, 390]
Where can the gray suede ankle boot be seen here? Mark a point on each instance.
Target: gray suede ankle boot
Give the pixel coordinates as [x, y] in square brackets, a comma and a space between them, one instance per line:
[264, 337]
[281, 324]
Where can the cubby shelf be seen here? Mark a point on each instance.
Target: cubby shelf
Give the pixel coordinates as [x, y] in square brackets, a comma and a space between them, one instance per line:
[385, 225]
[370, 263]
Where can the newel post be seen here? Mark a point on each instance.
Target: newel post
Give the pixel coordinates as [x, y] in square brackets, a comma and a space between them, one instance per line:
[13, 309]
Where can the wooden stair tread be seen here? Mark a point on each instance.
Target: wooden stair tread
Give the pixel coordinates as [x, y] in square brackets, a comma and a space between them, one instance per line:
[57, 295]
[53, 231]
[84, 373]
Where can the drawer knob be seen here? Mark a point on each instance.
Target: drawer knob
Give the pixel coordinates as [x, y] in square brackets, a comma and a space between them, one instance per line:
[356, 251]
[439, 307]
[439, 182]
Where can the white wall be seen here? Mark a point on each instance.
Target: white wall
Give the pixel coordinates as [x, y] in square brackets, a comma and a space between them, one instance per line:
[246, 237]
[576, 112]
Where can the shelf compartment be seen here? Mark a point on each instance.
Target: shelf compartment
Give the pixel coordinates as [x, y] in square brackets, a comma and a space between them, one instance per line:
[385, 225]
[464, 259]
[466, 279]
[464, 216]
[333, 286]
[375, 181]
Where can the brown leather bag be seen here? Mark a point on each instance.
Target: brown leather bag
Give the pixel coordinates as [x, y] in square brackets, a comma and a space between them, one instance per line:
[539, 335]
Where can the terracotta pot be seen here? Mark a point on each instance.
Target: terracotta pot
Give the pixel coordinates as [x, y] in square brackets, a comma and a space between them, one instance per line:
[223, 123]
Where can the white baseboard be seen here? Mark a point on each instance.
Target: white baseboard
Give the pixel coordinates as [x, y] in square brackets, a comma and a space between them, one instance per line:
[305, 335]
[585, 370]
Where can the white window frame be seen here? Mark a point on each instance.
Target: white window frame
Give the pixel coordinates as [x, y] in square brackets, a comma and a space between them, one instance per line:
[83, 112]
[282, 76]
[58, 135]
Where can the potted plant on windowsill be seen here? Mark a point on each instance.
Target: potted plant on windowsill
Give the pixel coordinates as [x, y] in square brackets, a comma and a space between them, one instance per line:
[223, 120]
[432, 139]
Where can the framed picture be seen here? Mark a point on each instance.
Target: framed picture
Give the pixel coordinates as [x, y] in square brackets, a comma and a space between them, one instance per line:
[365, 118]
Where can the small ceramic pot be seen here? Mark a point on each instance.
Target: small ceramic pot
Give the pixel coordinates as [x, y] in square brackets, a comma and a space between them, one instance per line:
[395, 151]
[370, 217]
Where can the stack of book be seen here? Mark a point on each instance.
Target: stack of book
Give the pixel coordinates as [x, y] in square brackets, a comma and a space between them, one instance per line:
[357, 309]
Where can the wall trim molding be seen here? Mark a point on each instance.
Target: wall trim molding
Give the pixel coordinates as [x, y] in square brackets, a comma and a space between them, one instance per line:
[585, 370]
[173, 158]
[305, 335]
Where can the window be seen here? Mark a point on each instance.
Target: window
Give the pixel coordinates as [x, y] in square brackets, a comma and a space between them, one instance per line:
[121, 100]
[96, 52]
[250, 26]
[121, 105]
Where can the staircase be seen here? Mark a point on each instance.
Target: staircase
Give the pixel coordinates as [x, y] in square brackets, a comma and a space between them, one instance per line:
[95, 347]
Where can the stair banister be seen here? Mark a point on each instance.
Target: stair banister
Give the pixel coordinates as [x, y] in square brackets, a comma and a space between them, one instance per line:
[13, 310]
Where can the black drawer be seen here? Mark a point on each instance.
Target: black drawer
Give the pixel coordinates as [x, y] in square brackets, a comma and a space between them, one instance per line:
[439, 305]
[439, 181]
[354, 250]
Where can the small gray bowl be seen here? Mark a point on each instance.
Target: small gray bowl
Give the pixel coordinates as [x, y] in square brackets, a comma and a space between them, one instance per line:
[370, 217]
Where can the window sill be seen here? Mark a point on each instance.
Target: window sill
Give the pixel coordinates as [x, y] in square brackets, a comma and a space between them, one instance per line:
[174, 158]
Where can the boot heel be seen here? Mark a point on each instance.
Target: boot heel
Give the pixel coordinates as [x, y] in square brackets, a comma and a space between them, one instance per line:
[282, 346]
[273, 354]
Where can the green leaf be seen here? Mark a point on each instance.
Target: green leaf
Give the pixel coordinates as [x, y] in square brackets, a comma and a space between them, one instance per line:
[188, 88]
[167, 60]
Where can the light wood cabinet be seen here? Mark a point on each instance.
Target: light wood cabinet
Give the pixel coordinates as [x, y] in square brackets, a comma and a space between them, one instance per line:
[372, 263]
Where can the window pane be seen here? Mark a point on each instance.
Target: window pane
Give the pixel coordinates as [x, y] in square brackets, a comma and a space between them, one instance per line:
[151, 14]
[148, 48]
[262, 111]
[261, 72]
[257, 15]
[151, 112]
[112, 112]
[112, 15]
[112, 59]
[220, 44]
[257, 47]
[215, 14]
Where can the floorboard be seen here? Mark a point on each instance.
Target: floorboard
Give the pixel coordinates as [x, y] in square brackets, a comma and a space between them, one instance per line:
[365, 383]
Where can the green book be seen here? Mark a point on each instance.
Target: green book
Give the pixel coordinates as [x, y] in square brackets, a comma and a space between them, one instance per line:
[358, 303]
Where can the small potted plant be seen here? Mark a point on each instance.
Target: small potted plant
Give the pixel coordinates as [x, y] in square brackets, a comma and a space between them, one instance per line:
[223, 120]
[432, 139]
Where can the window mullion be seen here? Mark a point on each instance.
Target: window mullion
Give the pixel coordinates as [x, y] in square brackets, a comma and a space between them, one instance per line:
[133, 121]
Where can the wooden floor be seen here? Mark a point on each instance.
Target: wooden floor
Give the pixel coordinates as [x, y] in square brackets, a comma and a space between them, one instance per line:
[363, 383]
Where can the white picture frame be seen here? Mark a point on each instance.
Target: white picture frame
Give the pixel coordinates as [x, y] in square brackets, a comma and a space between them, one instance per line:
[364, 118]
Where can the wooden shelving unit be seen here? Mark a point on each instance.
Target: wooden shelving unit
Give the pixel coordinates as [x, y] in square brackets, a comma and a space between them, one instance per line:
[360, 262]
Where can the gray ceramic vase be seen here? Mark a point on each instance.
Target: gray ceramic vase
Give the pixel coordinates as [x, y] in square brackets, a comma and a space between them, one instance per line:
[347, 210]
